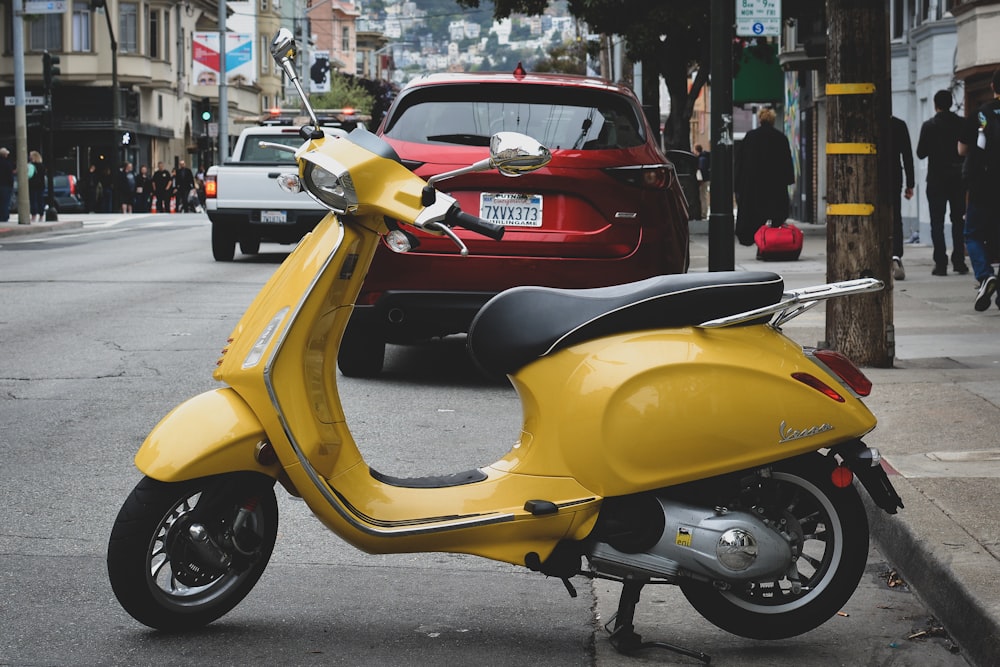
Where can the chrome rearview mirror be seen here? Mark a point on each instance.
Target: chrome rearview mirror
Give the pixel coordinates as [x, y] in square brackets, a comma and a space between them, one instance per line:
[284, 50]
[513, 153]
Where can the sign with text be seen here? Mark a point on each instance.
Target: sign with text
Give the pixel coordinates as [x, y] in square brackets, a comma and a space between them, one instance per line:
[758, 18]
[44, 7]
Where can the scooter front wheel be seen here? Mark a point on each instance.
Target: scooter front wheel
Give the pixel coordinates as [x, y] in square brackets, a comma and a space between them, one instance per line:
[182, 554]
[828, 527]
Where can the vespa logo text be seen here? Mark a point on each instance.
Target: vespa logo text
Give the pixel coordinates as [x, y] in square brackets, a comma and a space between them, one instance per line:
[788, 434]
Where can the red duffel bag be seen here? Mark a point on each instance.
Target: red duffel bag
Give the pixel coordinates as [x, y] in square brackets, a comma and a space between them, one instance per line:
[779, 243]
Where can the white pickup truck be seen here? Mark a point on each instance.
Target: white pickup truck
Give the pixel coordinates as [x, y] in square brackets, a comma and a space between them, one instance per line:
[244, 202]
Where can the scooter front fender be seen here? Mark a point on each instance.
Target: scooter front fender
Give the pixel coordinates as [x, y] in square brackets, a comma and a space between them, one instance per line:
[209, 434]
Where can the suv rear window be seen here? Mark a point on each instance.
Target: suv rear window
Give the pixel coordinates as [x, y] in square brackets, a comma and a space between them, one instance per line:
[557, 116]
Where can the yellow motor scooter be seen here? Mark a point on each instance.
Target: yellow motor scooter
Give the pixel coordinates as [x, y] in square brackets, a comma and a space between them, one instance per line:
[671, 433]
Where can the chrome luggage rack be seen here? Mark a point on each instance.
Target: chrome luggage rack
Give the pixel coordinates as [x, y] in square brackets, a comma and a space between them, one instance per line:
[797, 301]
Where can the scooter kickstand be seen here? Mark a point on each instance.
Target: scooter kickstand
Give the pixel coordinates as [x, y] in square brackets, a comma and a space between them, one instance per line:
[624, 637]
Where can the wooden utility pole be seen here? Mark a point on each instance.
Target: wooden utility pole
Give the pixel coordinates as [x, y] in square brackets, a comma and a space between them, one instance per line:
[859, 201]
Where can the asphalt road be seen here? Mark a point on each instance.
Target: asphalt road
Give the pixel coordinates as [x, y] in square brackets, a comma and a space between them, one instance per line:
[105, 328]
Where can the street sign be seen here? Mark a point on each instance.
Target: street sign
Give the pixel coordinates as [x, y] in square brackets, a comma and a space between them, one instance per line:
[758, 18]
[29, 101]
[213, 130]
[45, 6]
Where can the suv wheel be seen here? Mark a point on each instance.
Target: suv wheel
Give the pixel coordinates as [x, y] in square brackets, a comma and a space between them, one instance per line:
[361, 354]
[223, 244]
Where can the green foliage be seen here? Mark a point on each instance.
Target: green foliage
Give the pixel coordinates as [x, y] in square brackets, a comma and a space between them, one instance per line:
[344, 92]
[564, 58]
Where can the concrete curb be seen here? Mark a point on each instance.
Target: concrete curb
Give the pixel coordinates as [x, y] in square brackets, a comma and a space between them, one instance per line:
[8, 229]
[940, 559]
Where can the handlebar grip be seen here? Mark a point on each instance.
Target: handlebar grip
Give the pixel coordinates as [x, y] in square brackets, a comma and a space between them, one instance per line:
[457, 216]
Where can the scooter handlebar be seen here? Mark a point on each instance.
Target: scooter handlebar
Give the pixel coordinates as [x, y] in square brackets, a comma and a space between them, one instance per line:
[457, 217]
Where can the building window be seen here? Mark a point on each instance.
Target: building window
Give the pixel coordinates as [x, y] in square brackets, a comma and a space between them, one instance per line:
[128, 27]
[159, 107]
[81, 30]
[154, 34]
[263, 5]
[345, 39]
[46, 33]
[265, 58]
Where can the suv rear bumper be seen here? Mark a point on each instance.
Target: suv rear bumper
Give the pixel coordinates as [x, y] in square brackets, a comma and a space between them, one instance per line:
[403, 316]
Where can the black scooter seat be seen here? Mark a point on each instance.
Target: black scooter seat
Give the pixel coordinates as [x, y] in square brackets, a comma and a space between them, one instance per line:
[524, 323]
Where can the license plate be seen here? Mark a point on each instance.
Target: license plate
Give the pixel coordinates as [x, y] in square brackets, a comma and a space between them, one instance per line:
[511, 209]
[273, 216]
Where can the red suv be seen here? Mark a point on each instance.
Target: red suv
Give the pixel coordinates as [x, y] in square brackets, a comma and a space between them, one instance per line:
[607, 209]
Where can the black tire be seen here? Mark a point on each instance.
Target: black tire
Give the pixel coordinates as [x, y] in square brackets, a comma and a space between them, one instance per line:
[362, 353]
[249, 245]
[156, 570]
[832, 530]
[223, 244]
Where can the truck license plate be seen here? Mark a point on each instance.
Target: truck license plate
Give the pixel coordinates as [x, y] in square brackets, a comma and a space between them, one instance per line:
[274, 216]
[512, 209]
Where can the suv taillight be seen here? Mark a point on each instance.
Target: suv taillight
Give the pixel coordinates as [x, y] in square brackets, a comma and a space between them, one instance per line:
[647, 177]
[211, 187]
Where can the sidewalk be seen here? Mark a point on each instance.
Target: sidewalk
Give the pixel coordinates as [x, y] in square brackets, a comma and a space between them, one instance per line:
[938, 410]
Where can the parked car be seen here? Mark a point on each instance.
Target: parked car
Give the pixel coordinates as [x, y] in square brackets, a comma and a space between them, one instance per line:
[64, 187]
[608, 208]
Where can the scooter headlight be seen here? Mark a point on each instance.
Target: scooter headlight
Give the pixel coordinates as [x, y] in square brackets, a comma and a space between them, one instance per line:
[331, 185]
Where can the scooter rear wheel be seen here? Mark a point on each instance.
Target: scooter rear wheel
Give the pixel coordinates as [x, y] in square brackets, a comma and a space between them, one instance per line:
[832, 534]
[166, 578]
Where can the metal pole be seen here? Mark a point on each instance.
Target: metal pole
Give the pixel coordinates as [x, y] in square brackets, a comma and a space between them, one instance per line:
[20, 119]
[223, 94]
[116, 105]
[721, 234]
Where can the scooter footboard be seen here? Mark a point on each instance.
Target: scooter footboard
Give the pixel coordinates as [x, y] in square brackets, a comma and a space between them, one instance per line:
[212, 433]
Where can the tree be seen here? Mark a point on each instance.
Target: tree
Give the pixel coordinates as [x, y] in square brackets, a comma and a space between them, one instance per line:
[345, 92]
[669, 37]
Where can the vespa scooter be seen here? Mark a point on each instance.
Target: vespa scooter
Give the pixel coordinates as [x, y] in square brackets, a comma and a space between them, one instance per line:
[671, 433]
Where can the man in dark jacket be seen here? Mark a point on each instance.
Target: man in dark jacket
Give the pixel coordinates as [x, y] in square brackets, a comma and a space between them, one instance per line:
[980, 144]
[763, 175]
[938, 143]
[902, 163]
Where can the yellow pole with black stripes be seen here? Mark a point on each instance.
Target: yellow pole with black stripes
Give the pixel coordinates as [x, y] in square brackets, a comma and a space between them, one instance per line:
[858, 199]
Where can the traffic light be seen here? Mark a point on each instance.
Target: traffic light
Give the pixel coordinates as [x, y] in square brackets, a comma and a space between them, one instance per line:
[50, 69]
[206, 109]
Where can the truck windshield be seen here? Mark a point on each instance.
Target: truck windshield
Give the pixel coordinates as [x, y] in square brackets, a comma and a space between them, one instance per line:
[255, 154]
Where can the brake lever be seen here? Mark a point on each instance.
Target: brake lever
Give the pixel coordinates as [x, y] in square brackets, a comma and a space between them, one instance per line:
[447, 231]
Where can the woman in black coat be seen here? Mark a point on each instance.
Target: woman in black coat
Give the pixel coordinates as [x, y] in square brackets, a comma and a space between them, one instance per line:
[763, 175]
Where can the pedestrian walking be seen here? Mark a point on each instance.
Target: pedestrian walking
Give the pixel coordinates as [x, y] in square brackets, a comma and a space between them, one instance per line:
[126, 187]
[184, 184]
[902, 165]
[36, 186]
[143, 190]
[763, 175]
[704, 176]
[88, 186]
[938, 143]
[6, 184]
[163, 184]
[980, 146]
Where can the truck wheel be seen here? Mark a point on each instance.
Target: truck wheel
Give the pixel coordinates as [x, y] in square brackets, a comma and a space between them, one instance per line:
[249, 245]
[223, 244]
[361, 353]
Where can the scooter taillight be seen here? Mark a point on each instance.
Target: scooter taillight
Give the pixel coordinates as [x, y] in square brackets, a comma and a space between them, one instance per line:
[844, 369]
